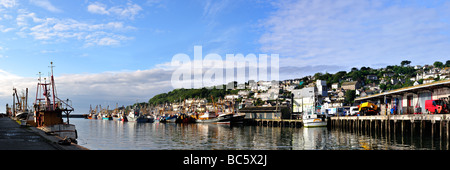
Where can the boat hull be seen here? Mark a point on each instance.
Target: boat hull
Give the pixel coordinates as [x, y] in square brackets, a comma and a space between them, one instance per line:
[236, 119]
[139, 119]
[117, 118]
[62, 130]
[219, 119]
[314, 123]
[169, 119]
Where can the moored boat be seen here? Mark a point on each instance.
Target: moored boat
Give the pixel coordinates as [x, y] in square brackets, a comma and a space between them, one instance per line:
[107, 117]
[135, 116]
[168, 119]
[48, 110]
[314, 120]
[221, 118]
[237, 119]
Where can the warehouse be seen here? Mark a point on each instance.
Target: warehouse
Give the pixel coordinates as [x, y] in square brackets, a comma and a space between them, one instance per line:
[408, 100]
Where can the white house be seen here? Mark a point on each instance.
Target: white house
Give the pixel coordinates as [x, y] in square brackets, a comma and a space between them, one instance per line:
[304, 99]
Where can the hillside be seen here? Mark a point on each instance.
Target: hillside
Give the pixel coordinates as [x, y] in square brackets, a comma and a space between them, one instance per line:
[181, 94]
[388, 78]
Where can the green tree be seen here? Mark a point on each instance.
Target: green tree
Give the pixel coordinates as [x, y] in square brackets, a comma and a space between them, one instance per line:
[405, 62]
[356, 75]
[438, 64]
[350, 96]
[383, 86]
[447, 63]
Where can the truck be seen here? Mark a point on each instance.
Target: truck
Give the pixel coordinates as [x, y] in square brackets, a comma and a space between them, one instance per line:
[368, 108]
[439, 106]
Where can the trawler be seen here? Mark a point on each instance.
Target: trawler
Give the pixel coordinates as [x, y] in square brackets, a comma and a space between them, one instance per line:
[48, 109]
[214, 118]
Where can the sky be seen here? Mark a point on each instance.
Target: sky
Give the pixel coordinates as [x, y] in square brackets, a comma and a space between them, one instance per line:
[107, 52]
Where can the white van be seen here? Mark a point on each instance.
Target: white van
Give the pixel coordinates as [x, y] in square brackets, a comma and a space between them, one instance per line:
[354, 110]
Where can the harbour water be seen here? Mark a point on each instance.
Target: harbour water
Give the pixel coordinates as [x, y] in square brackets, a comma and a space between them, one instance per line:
[115, 135]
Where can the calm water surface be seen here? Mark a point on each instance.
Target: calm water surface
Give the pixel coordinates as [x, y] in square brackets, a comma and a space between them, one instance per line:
[114, 135]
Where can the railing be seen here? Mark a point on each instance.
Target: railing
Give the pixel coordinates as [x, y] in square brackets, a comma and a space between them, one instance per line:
[60, 104]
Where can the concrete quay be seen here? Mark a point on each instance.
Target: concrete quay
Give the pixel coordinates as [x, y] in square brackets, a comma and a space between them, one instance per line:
[16, 137]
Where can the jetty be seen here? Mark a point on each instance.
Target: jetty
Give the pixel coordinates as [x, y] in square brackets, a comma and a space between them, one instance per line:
[14, 136]
[434, 124]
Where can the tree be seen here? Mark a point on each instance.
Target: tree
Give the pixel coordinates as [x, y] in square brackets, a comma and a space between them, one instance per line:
[438, 64]
[447, 63]
[383, 86]
[405, 62]
[350, 96]
[357, 75]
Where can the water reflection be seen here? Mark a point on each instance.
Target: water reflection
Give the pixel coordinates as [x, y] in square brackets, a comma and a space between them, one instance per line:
[112, 135]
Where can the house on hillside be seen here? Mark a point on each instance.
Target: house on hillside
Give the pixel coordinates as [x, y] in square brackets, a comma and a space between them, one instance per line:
[371, 77]
[353, 85]
[335, 86]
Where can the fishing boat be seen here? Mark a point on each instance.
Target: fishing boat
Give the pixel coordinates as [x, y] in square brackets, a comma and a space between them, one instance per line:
[211, 117]
[135, 116]
[48, 109]
[237, 118]
[168, 119]
[117, 117]
[91, 114]
[150, 118]
[107, 117]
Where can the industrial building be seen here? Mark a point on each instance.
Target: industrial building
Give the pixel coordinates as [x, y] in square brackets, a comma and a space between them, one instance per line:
[408, 100]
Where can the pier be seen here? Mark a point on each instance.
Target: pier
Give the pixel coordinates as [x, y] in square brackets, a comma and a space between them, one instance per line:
[438, 125]
[18, 137]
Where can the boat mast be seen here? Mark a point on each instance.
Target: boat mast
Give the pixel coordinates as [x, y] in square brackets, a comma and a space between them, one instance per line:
[53, 85]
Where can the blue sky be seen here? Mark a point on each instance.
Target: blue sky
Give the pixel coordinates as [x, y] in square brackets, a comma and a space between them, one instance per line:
[98, 36]
[109, 51]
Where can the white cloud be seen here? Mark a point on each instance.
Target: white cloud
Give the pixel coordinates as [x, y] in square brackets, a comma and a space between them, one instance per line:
[46, 5]
[12, 80]
[98, 8]
[8, 3]
[59, 30]
[24, 16]
[2, 29]
[212, 7]
[129, 11]
[107, 41]
[355, 32]
[104, 39]
[85, 89]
